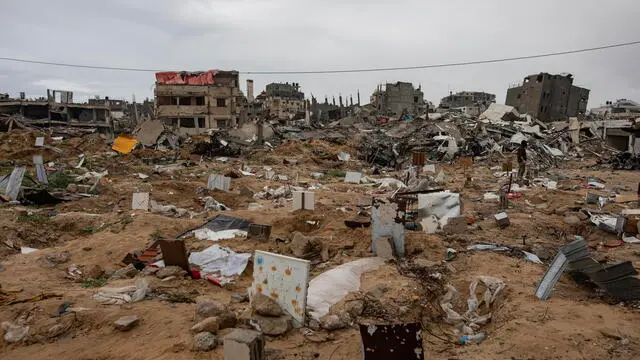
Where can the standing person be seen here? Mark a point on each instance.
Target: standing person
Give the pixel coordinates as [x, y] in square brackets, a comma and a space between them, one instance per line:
[522, 159]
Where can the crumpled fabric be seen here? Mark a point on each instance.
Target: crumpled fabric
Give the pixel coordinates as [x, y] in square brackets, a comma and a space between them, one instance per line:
[469, 322]
[123, 295]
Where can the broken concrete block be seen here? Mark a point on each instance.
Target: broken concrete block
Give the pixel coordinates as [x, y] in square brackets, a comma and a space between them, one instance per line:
[305, 247]
[127, 272]
[502, 219]
[282, 177]
[204, 341]
[219, 182]
[39, 141]
[126, 323]
[352, 177]
[242, 344]
[456, 225]
[140, 201]
[273, 326]
[303, 200]
[317, 175]
[383, 247]
[269, 175]
[265, 306]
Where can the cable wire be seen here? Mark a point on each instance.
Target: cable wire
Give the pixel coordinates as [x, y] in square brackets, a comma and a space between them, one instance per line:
[466, 63]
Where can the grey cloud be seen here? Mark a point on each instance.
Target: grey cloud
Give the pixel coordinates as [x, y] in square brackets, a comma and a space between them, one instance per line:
[259, 35]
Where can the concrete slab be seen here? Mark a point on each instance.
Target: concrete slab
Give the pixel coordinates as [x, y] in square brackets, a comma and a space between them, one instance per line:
[352, 177]
[140, 201]
[303, 200]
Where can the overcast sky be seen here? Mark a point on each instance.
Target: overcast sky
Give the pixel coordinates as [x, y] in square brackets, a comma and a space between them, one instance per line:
[265, 35]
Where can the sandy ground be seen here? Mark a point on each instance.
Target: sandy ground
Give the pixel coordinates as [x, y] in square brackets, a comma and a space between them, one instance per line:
[574, 323]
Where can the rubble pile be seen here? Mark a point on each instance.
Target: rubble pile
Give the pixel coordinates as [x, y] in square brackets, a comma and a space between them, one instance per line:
[386, 230]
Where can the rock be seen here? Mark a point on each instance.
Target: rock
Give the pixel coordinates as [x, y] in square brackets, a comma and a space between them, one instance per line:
[95, 272]
[127, 323]
[58, 258]
[378, 292]
[424, 263]
[544, 252]
[561, 210]
[582, 216]
[170, 271]
[333, 322]
[265, 306]
[245, 191]
[206, 308]
[273, 326]
[204, 341]
[14, 333]
[237, 298]
[87, 248]
[354, 308]
[128, 272]
[227, 320]
[72, 188]
[305, 247]
[56, 330]
[571, 220]
[210, 324]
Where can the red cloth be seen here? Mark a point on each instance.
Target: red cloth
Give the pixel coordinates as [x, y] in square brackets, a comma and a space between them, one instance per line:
[186, 78]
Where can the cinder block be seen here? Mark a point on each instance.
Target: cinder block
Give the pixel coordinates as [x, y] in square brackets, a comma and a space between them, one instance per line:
[242, 344]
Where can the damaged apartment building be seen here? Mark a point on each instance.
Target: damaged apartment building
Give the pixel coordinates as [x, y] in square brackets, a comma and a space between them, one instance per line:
[195, 102]
[283, 100]
[621, 109]
[472, 103]
[59, 110]
[400, 98]
[548, 97]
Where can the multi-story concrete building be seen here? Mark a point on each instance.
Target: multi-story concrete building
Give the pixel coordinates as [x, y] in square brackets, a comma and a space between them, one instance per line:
[285, 101]
[399, 98]
[59, 110]
[618, 110]
[469, 102]
[548, 97]
[194, 102]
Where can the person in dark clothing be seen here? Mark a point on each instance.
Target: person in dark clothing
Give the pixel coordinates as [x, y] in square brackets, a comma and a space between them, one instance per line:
[522, 159]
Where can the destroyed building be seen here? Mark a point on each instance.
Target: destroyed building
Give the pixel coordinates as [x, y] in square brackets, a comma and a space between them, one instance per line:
[194, 102]
[399, 98]
[620, 109]
[548, 97]
[468, 102]
[59, 110]
[283, 100]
